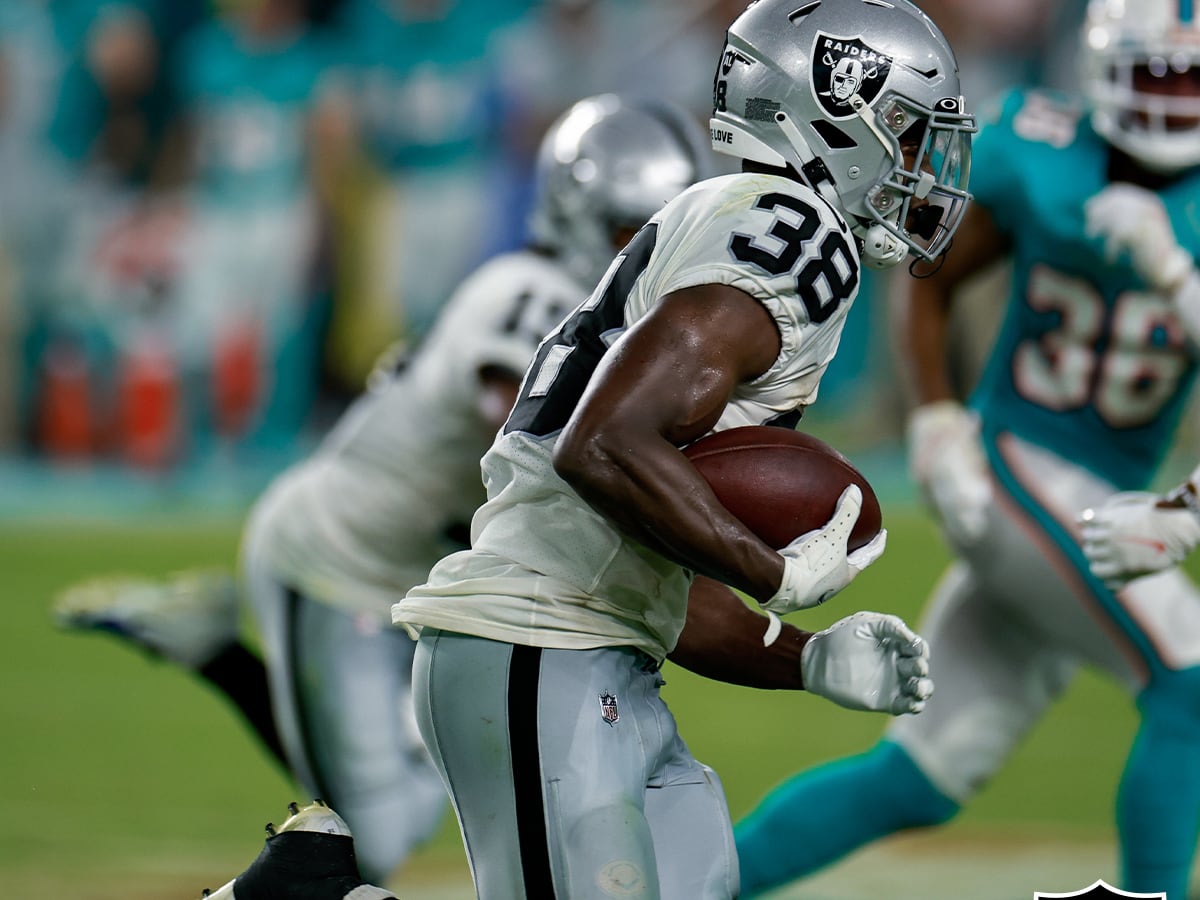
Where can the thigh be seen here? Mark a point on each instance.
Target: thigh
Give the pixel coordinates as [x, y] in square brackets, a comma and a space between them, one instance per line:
[1033, 565]
[547, 755]
[340, 692]
[693, 836]
[994, 677]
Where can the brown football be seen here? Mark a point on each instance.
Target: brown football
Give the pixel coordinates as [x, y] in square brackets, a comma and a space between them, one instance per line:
[781, 483]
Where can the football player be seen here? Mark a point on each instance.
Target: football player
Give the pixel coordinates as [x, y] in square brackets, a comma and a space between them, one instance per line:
[536, 679]
[334, 541]
[1092, 198]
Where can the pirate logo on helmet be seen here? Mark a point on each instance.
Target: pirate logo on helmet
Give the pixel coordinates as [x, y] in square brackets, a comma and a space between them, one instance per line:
[845, 68]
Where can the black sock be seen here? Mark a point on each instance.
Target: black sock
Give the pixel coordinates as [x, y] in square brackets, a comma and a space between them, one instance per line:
[241, 676]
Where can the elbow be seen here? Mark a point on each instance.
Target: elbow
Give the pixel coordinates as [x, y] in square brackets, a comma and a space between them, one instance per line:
[574, 459]
[582, 461]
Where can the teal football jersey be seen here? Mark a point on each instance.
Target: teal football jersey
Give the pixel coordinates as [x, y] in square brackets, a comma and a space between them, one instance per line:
[1089, 361]
[250, 105]
[428, 90]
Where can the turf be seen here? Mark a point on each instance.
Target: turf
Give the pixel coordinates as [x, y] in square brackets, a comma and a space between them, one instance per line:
[126, 779]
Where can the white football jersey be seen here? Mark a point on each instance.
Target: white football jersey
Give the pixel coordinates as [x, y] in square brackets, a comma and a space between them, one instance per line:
[362, 520]
[545, 568]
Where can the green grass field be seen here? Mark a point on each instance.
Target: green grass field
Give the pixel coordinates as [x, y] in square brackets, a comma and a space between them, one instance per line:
[126, 779]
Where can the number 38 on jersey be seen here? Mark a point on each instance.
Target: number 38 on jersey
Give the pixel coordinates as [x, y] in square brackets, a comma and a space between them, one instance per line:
[796, 231]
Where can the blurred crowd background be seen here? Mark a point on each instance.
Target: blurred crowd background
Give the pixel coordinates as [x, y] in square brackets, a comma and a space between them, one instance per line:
[215, 214]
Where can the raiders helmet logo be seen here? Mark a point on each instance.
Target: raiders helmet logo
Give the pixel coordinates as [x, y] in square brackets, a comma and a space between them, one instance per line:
[843, 68]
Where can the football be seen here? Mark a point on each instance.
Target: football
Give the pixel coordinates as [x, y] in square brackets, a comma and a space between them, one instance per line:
[781, 483]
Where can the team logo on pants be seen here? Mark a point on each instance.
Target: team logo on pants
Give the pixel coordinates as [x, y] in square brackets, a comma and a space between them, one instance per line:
[608, 708]
[1099, 890]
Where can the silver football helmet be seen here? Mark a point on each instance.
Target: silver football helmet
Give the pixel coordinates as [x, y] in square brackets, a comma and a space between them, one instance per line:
[607, 164]
[861, 98]
[1141, 72]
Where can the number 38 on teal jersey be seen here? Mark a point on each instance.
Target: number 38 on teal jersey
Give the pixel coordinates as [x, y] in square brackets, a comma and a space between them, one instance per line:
[1089, 361]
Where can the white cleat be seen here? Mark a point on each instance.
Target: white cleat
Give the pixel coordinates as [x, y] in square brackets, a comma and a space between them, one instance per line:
[309, 857]
[187, 618]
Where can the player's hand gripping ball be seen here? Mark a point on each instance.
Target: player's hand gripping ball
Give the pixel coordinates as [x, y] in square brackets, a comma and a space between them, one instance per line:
[782, 483]
[793, 491]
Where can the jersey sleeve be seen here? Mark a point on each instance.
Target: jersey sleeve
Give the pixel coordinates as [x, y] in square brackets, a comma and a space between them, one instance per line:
[775, 240]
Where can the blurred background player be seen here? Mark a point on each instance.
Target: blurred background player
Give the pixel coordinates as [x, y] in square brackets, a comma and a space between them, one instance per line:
[536, 677]
[1080, 399]
[257, 98]
[433, 110]
[341, 536]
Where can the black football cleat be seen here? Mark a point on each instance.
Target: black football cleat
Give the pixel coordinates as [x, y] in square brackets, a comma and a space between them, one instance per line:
[309, 857]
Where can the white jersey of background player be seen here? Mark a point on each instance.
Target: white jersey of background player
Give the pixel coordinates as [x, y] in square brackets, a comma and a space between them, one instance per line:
[362, 521]
[339, 537]
[535, 678]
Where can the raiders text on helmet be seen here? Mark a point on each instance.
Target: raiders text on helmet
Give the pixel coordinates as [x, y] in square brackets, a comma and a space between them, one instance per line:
[862, 98]
[610, 163]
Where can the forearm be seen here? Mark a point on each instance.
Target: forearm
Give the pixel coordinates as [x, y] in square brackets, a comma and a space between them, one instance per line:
[722, 640]
[925, 311]
[647, 487]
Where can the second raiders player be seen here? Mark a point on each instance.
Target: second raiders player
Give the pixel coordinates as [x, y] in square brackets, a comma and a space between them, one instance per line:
[337, 539]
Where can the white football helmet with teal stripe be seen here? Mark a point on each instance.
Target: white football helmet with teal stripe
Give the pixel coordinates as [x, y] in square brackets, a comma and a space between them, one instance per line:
[1141, 71]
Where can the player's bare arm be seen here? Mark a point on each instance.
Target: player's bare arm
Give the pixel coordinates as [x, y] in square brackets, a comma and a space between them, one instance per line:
[722, 640]
[945, 455]
[928, 301]
[664, 384]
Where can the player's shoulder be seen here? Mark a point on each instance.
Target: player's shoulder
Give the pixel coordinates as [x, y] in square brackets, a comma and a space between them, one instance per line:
[1027, 115]
[519, 295]
[518, 270]
[736, 202]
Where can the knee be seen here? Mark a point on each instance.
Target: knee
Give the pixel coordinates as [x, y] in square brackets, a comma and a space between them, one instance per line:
[906, 789]
[609, 853]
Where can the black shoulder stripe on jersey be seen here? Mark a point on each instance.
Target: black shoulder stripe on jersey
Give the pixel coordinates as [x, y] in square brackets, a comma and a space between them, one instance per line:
[578, 346]
[524, 676]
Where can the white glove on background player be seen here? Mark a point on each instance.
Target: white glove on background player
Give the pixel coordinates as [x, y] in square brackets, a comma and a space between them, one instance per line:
[816, 565]
[868, 661]
[945, 458]
[1133, 220]
[1136, 533]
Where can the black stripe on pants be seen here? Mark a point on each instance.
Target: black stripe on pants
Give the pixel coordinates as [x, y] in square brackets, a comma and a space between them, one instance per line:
[523, 677]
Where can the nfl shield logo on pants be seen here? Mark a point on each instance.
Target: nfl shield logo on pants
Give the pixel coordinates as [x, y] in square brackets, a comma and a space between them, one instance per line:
[608, 708]
[1099, 890]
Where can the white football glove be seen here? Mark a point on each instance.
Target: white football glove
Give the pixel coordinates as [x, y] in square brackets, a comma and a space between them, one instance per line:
[869, 661]
[1133, 220]
[816, 565]
[946, 459]
[1136, 533]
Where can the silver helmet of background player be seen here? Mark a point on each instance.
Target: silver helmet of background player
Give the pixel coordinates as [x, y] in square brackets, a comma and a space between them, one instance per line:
[862, 98]
[610, 163]
[1141, 72]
